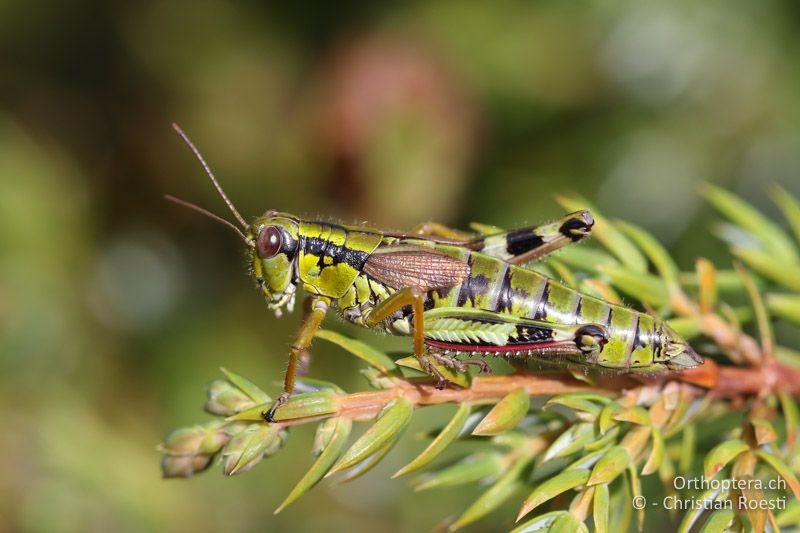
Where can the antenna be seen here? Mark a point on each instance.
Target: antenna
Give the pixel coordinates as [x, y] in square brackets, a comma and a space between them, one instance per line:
[207, 213]
[210, 174]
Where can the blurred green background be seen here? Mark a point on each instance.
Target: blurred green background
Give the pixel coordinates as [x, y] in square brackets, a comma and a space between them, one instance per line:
[116, 307]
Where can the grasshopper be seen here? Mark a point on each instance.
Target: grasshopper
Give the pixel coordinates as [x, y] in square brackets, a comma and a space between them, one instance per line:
[455, 293]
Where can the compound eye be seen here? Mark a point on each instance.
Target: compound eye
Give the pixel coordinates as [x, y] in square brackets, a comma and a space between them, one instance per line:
[269, 242]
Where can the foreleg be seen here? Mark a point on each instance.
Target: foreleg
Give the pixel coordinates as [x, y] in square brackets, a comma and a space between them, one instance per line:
[316, 307]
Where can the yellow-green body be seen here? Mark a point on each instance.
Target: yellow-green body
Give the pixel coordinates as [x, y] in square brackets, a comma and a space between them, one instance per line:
[454, 292]
[497, 308]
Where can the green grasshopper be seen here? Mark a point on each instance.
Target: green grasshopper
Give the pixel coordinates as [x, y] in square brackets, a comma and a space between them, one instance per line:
[455, 293]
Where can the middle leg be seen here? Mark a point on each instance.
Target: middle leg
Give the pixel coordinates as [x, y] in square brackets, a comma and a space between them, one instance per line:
[413, 296]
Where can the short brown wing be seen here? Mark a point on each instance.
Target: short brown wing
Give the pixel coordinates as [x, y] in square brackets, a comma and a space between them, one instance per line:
[414, 266]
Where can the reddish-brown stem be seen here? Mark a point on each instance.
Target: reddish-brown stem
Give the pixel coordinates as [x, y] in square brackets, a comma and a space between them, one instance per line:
[730, 383]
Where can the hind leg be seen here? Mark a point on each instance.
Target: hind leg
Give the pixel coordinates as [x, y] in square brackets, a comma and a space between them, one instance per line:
[489, 333]
[460, 365]
[435, 229]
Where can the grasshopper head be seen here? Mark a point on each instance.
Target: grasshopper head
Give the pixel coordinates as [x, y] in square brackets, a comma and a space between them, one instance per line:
[679, 355]
[273, 241]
